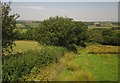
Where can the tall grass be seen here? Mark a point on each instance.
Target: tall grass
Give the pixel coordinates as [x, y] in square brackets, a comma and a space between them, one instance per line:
[103, 49]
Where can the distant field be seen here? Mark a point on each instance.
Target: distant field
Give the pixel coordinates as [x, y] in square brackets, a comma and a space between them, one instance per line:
[31, 24]
[103, 49]
[25, 45]
[92, 27]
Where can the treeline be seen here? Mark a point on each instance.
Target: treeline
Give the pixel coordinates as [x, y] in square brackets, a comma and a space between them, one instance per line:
[104, 36]
[63, 31]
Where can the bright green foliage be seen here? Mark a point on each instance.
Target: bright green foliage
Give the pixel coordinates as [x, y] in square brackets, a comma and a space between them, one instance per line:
[17, 66]
[8, 27]
[26, 34]
[60, 31]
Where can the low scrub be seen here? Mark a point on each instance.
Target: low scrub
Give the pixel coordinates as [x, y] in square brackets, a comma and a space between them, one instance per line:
[15, 67]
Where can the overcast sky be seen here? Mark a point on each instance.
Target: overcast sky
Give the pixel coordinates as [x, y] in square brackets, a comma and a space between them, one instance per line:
[82, 11]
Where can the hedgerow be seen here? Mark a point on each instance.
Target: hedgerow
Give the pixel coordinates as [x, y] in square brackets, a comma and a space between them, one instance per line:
[15, 67]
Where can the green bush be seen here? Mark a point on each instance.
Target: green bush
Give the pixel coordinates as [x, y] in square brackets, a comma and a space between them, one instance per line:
[25, 34]
[60, 31]
[104, 36]
[111, 37]
[18, 65]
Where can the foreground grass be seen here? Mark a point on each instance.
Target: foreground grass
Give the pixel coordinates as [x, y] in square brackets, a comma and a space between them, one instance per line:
[83, 66]
[80, 67]
[102, 67]
[94, 67]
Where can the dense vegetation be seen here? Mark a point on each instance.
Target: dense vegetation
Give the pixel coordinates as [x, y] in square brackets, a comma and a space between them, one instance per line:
[111, 37]
[18, 65]
[25, 34]
[104, 36]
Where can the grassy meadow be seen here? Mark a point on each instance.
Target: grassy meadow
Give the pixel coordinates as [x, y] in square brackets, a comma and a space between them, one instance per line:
[84, 66]
[47, 47]
[25, 45]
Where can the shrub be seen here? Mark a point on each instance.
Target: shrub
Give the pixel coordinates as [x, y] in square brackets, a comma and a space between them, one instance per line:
[73, 48]
[25, 34]
[111, 37]
[18, 65]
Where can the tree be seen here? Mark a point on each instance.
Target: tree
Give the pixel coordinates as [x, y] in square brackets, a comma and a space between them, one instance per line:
[8, 27]
[60, 31]
[111, 37]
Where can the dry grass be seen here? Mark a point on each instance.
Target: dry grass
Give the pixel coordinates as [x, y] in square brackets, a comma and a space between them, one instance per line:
[80, 76]
[68, 57]
[72, 66]
[103, 49]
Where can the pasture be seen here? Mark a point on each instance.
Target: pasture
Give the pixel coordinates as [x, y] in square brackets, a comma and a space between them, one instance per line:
[27, 25]
[25, 45]
[84, 66]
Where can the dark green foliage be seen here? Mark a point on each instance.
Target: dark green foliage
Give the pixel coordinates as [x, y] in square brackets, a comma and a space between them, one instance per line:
[104, 36]
[95, 35]
[8, 27]
[72, 48]
[60, 31]
[17, 66]
[111, 37]
[82, 44]
[116, 28]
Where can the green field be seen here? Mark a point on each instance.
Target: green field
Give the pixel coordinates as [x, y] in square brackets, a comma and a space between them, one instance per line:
[25, 45]
[82, 66]
[93, 27]
[27, 25]
[58, 48]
